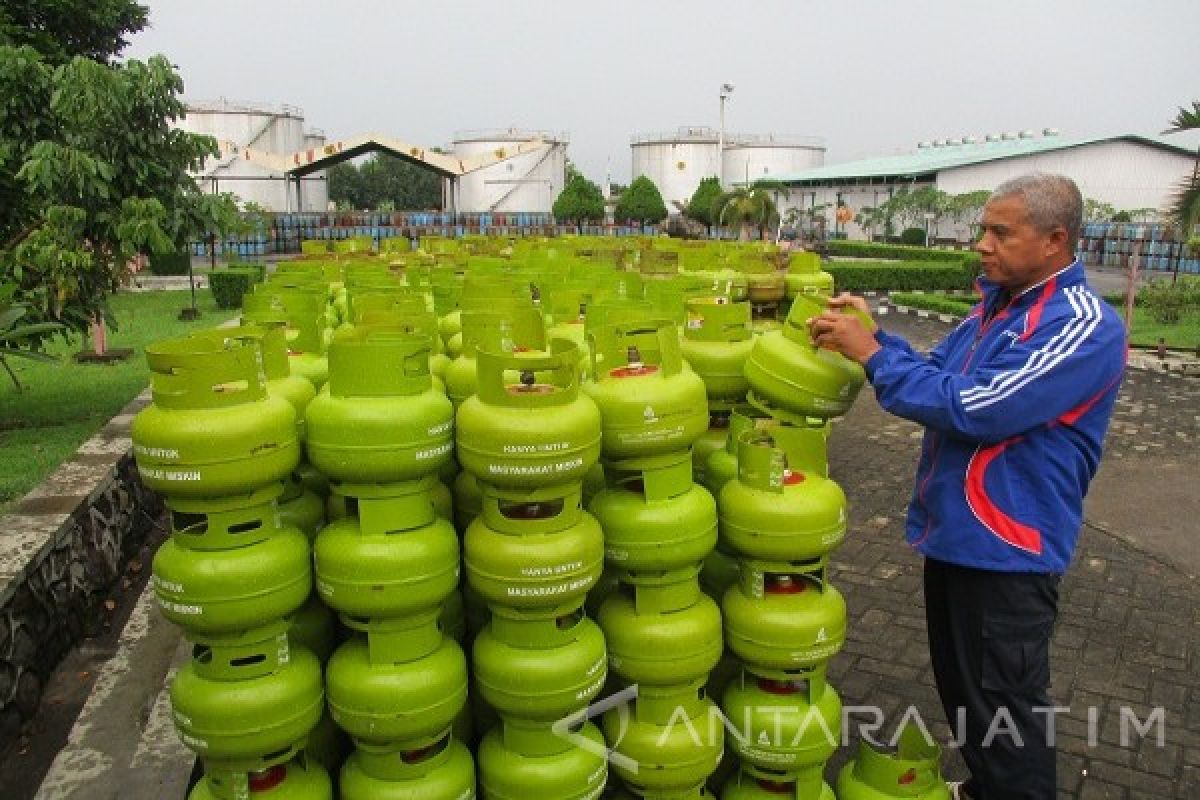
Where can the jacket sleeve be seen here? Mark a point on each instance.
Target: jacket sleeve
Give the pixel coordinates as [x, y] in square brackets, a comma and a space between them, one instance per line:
[1070, 358]
[936, 356]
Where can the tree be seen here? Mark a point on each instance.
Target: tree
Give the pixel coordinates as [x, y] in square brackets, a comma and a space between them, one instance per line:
[60, 30]
[967, 209]
[701, 203]
[579, 201]
[641, 202]
[1097, 210]
[750, 206]
[1184, 208]
[93, 174]
[382, 180]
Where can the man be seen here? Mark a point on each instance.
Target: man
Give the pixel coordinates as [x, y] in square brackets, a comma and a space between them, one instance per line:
[1015, 403]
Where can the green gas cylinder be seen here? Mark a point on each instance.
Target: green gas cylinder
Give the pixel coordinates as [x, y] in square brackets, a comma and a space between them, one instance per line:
[775, 513]
[674, 736]
[505, 327]
[401, 684]
[394, 557]
[776, 619]
[654, 518]
[249, 701]
[271, 339]
[649, 403]
[441, 771]
[539, 666]
[376, 425]
[314, 628]
[212, 429]
[305, 333]
[788, 371]
[230, 565]
[717, 340]
[539, 429]
[714, 439]
[468, 500]
[533, 547]
[661, 643]
[299, 779]
[805, 275]
[791, 725]
[911, 771]
[519, 764]
[301, 507]
[757, 785]
[721, 466]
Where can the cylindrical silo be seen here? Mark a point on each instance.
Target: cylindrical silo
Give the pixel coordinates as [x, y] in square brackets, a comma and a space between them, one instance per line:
[316, 185]
[526, 183]
[753, 157]
[278, 130]
[676, 162]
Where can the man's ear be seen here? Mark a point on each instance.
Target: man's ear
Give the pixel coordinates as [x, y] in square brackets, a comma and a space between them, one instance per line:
[1057, 240]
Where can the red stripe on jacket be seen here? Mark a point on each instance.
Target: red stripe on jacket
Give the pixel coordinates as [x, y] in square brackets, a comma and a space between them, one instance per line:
[985, 509]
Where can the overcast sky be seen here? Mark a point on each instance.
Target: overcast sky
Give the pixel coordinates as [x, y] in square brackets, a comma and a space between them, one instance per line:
[870, 77]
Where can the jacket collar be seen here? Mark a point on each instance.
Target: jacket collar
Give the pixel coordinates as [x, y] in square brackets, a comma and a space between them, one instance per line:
[1071, 275]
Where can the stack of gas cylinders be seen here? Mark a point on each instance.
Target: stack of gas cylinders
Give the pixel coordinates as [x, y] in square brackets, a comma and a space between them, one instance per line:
[537, 519]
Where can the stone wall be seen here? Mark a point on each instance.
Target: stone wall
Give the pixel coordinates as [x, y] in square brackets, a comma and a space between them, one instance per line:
[62, 549]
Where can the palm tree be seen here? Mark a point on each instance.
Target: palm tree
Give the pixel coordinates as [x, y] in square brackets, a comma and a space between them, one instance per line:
[1184, 209]
[749, 206]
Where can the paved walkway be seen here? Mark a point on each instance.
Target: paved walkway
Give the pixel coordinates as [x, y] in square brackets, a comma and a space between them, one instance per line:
[1129, 629]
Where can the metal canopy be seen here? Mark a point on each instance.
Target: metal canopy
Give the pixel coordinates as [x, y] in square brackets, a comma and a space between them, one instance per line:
[304, 162]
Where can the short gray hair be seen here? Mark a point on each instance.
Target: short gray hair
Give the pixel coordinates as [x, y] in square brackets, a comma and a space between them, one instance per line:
[1050, 201]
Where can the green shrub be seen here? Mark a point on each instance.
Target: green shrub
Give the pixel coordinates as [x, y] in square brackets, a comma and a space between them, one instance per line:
[1168, 302]
[883, 276]
[170, 263]
[259, 270]
[857, 249]
[955, 306]
[230, 284]
[913, 237]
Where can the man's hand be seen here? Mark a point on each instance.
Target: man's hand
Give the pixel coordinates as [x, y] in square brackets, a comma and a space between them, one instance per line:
[844, 332]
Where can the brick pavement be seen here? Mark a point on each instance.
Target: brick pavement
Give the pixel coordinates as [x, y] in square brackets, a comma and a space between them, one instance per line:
[1129, 625]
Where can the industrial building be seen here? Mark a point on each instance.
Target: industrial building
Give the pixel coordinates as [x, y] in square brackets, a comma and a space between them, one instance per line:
[1128, 171]
[242, 127]
[529, 182]
[676, 162]
[268, 157]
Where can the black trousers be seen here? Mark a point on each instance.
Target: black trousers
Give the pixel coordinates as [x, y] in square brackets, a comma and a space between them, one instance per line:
[989, 643]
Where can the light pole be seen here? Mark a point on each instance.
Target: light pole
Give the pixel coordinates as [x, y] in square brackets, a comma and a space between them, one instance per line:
[726, 90]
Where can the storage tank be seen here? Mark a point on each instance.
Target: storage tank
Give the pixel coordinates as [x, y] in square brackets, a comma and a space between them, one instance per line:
[275, 129]
[676, 162]
[752, 157]
[528, 183]
[316, 185]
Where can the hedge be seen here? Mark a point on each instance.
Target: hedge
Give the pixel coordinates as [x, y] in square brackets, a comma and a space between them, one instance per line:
[958, 307]
[857, 249]
[885, 276]
[170, 263]
[229, 285]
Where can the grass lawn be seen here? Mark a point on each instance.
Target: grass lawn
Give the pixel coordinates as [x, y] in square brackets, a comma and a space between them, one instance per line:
[1184, 335]
[65, 403]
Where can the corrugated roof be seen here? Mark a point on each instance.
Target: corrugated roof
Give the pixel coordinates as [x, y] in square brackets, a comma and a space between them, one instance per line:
[930, 160]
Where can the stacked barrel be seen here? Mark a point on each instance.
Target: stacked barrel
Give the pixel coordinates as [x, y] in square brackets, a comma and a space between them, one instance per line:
[380, 431]
[218, 445]
[529, 436]
[664, 634]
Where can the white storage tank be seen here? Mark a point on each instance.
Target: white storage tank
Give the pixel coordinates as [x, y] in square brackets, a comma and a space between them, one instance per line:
[676, 162]
[269, 128]
[316, 184]
[754, 157]
[528, 183]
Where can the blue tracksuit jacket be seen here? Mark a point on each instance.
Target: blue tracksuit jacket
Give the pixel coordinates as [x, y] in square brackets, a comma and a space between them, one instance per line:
[1015, 411]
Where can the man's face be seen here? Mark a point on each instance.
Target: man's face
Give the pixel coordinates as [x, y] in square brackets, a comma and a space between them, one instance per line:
[1015, 253]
